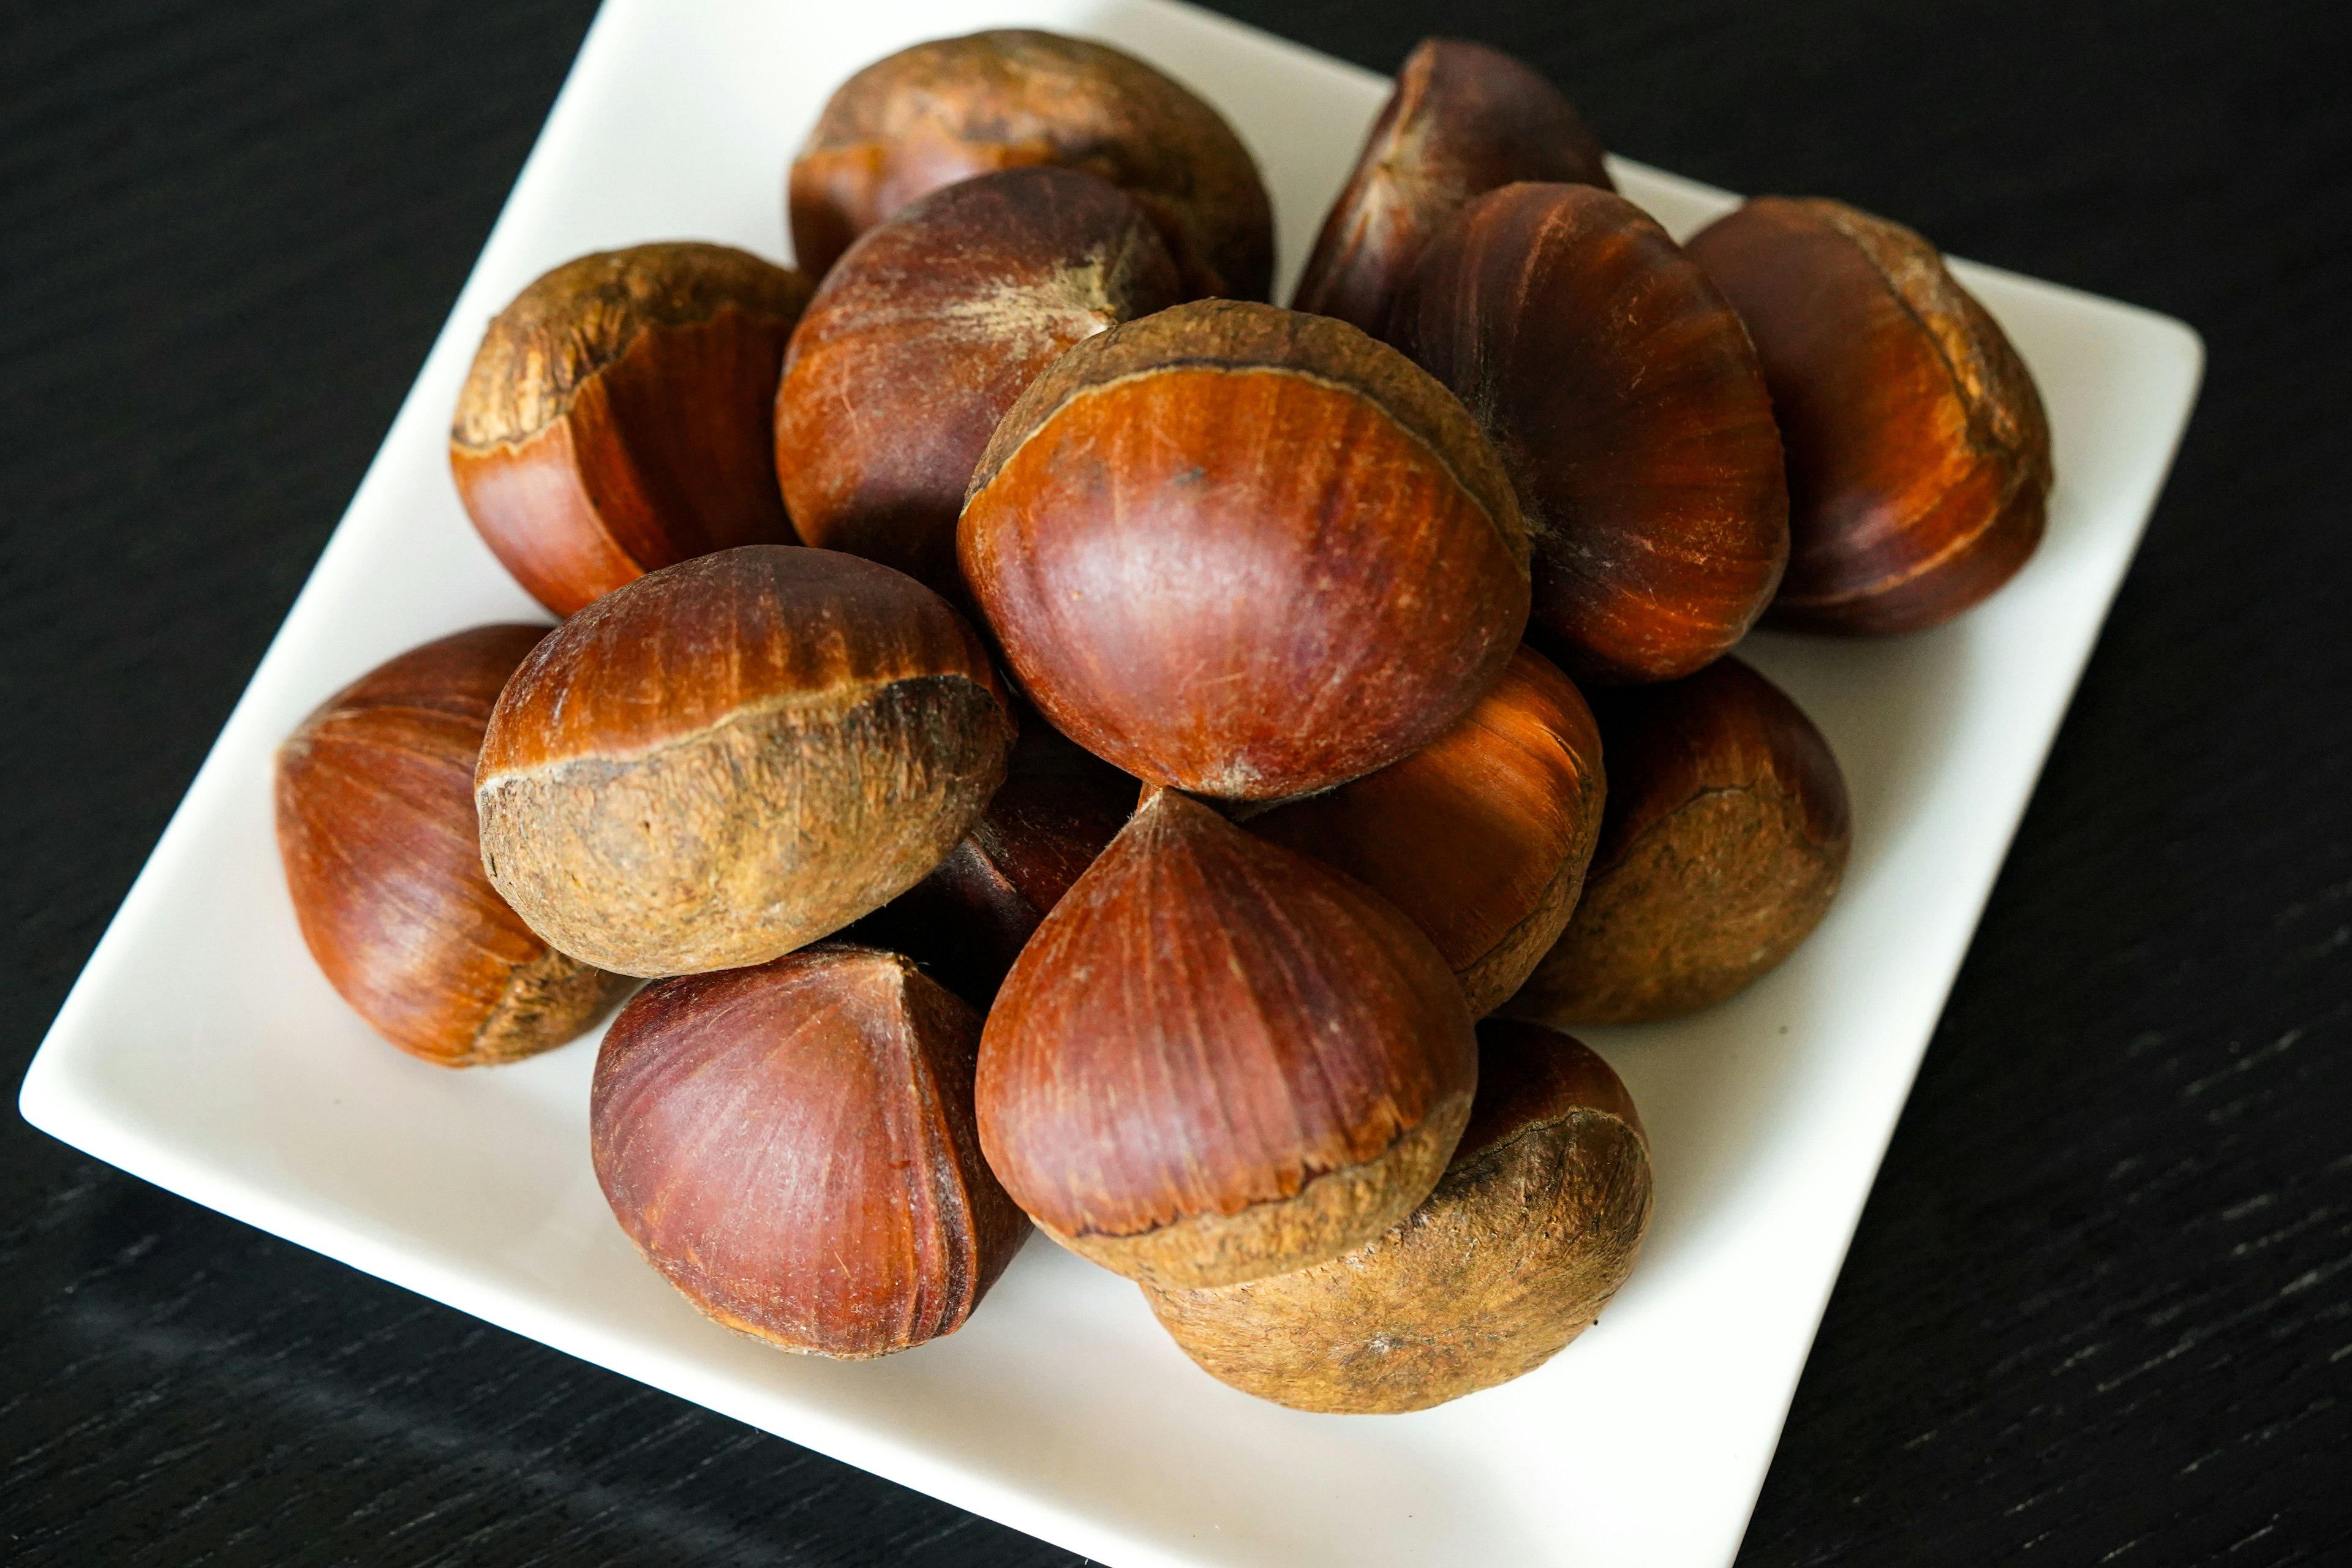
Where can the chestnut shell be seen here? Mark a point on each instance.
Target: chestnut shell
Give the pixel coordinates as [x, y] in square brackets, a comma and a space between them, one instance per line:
[1628, 405]
[1464, 120]
[946, 110]
[1918, 450]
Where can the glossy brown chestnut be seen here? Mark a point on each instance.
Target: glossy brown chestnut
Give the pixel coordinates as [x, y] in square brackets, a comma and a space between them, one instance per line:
[1464, 120]
[923, 334]
[1724, 840]
[1532, 1229]
[1219, 1060]
[733, 756]
[948, 109]
[1630, 409]
[1482, 835]
[1058, 807]
[1245, 552]
[793, 1147]
[616, 420]
[375, 824]
[1918, 451]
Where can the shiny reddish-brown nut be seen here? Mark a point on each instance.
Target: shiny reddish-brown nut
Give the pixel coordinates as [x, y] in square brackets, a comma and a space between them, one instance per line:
[375, 824]
[948, 109]
[1245, 552]
[734, 756]
[924, 332]
[1464, 120]
[1725, 838]
[1482, 835]
[1918, 451]
[1059, 806]
[1219, 1060]
[1534, 1227]
[1629, 407]
[793, 1147]
[616, 420]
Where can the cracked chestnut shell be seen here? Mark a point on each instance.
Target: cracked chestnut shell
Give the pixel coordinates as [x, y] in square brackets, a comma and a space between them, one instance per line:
[952, 108]
[792, 1146]
[1464, 120]
[923, 334]
[615, 419]
[734, 756]
[1219, 1060]
[375, 825]
[1628, 405]
[1534, 1227]
[1918, 450]
[1725, 839]
[1245, 552]
[1482, 835]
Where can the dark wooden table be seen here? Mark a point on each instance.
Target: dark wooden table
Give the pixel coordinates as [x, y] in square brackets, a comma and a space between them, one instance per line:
[2100, 1308]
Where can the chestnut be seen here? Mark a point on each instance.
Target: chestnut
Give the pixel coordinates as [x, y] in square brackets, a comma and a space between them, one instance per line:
[952, 108]
[1918, 451]
[1725, 839]
[793, 1147]
[734, 756]
[1630, 409]
[1245, 552]
[922, 335]
[1464, 120]
[375, 825]
[1219, 1060]
[615, 419]
[1058, 807]
[1482, 835]
[1533, 1228]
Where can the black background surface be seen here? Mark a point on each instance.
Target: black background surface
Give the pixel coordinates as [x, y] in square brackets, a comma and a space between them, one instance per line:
[2100, 1307]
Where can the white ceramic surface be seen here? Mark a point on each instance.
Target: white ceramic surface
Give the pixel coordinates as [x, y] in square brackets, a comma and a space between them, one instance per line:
[202, 1050]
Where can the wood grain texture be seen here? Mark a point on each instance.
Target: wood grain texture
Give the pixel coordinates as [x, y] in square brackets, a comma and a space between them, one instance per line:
[2102, 1299]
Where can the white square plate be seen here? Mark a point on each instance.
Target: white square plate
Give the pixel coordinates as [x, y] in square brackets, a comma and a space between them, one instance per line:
[202, 1050]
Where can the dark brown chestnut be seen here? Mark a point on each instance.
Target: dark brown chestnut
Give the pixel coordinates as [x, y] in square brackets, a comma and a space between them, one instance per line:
[1464, 120]
[1918, 451]
[1534, 1227]
[1219, 1060]
[1630, 409]
[923, 334]
[1482, 835]
[1058, 807]
[375, 824]
[1725, 839]
[1245, 552]
[734, 756]
[793, 1147]
[948, 109]
[616, 420]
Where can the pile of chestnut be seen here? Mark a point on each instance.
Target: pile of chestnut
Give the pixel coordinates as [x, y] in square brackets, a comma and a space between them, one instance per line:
[1073, 745]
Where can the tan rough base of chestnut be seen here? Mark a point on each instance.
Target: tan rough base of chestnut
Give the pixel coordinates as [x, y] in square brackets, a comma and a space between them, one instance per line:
[1490, 979]
[548, 1001]
[1511, 1258]
[1331, 1214]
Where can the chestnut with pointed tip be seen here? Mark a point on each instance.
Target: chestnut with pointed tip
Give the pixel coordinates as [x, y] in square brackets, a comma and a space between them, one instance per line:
[1219, 1060]
[615, 419]
[1534, 1227]
[1464, 120]
[1482, 835]
[1918, 450]
[792, 1146]
[923, 334]
[1631, 411]
[946, 110]
[375, 825]
[1245, 552]
[1725, 839]
[734, 756]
